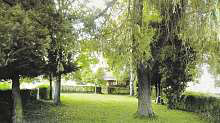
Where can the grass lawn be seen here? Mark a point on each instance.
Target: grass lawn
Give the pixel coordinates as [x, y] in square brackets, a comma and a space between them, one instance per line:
[92, 108]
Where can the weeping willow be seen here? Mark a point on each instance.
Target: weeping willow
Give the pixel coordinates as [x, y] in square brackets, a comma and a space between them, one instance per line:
[195, 25]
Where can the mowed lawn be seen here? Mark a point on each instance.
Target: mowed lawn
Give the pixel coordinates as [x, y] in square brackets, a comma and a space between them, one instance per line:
[94, 108]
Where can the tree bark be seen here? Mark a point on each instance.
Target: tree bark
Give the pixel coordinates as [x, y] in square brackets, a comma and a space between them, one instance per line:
[131, 81]
[143, 73]
[159, 89]
[16, 98]
[56, 90]
[50, 79]
[156, 90]
[144, 93]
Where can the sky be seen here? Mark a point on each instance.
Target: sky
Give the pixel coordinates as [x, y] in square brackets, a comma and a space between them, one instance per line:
[94, 4]
[206, 82]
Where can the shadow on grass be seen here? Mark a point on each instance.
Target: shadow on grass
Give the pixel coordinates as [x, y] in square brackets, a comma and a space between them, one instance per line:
[37, 110]
[154, 117]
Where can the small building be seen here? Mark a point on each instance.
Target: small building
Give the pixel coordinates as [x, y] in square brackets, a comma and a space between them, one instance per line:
[111, 80]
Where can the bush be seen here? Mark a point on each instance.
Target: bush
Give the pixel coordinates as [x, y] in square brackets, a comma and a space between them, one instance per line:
[200, 103]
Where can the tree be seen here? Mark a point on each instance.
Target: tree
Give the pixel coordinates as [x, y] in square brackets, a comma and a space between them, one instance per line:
[132, 39]
[24, 50]
[173, 32]
[58, 18]
[179, 49]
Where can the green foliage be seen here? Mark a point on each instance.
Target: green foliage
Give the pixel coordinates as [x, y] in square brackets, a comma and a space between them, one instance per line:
[176, 53]
[176, 63]
[125, 43]
[217, 83]
[25, 42]
[85, 60]
[88, 76]
[99, 77]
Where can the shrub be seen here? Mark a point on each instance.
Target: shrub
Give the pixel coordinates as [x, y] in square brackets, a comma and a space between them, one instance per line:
[200, 103]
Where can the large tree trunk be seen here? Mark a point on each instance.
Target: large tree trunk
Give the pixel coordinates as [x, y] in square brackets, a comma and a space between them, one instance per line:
[16, 98]
[144, 83]
[56, 90]
[144, 92]
[50, 79]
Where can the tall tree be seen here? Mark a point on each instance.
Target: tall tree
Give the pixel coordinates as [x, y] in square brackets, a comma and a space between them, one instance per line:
[131, 39]
[60, 26]
[143, 65]
[24, 50]
[179, 49]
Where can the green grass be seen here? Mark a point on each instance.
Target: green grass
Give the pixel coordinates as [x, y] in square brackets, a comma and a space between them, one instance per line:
[92, 108]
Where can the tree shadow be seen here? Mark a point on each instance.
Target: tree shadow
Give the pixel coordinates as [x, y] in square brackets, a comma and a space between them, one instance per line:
[36, 110]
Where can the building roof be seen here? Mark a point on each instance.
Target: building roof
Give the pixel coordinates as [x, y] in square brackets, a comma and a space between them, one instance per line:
[108, 76]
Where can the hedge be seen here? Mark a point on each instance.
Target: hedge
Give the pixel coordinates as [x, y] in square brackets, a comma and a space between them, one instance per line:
[77, 89]
[6, 101]
[5, 105]
[92, 89]
[115, 90]
[43, 93]
[206, 105]
[26, 96]
[5, 86]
